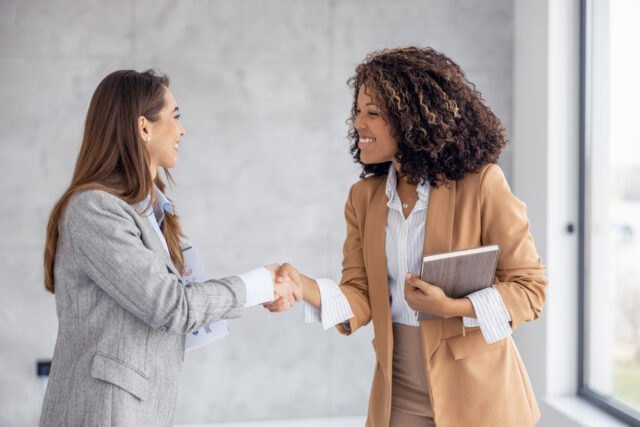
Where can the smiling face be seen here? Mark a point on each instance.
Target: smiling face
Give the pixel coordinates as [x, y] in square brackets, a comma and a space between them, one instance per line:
[162, 137]
[375, 141]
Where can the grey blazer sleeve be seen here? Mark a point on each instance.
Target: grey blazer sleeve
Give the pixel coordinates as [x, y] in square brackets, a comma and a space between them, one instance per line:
[108, 248]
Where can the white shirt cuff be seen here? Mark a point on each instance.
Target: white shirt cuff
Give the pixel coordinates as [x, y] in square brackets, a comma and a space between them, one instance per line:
[312, 313]
[334, 305]
[492, 315]
[259, 286]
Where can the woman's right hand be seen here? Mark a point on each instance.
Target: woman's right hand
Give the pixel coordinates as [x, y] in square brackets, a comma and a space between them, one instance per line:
[286, 291]
[305, 287]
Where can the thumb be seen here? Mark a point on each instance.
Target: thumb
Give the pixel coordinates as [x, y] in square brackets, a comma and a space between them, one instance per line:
[415, 281]
[411, 278]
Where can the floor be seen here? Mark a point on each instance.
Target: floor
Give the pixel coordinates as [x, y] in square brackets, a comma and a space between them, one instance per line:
[315, 422]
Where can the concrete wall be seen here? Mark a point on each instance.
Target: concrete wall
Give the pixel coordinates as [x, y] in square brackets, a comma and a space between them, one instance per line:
[263, 174]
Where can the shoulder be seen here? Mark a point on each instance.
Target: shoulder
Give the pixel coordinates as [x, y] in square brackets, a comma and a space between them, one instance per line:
[366, 188]
[95, 204]
[489, 175]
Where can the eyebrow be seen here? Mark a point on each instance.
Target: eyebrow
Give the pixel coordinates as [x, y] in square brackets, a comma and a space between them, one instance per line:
[371, 103]
[175, 109]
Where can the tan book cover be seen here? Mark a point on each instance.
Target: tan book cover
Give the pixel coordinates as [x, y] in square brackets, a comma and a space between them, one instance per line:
[460, 273]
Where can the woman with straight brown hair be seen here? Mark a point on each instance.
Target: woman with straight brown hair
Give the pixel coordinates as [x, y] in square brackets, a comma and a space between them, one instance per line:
[113, 257]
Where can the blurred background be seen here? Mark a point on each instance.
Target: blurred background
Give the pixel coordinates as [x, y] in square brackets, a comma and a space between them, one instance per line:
[265, 170]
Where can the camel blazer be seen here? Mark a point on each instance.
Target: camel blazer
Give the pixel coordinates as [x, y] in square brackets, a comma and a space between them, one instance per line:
[471, 383]
[123, 312]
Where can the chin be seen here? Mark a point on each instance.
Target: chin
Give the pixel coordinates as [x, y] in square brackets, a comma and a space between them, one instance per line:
[369, 161]
[171, 164]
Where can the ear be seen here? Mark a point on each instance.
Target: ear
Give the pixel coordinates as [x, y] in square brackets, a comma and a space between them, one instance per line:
[144, 129]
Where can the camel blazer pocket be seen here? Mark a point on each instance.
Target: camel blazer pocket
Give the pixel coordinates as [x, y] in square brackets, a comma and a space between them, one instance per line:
[121, 374]
[472, 344]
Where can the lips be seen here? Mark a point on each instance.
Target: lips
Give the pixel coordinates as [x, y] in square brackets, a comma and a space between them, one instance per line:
[365, 141]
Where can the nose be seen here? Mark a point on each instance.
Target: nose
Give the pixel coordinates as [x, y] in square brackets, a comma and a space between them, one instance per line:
[182, 131]
[358, 123]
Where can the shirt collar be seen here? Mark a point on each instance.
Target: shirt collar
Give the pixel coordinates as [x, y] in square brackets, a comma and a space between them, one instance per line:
[162, 205]
[392, 182]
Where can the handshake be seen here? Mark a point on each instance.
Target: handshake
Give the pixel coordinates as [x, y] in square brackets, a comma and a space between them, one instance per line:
[287, 286]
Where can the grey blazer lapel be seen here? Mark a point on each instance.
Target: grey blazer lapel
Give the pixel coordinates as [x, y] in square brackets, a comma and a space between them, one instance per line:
[152, 241]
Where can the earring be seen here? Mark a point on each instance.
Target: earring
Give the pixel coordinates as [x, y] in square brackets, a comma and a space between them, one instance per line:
[148, 138]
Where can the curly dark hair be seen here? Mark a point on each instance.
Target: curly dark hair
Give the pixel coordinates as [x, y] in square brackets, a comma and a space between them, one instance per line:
[443, 128]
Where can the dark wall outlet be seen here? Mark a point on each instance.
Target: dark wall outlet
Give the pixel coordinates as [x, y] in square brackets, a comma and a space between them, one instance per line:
[43, 367]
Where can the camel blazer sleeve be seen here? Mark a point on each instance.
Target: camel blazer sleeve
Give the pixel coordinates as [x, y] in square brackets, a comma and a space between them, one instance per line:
[520, 273]
[354, 283]
[106, 242]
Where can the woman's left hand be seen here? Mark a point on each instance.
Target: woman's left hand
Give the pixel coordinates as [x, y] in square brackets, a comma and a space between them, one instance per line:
[425, 297]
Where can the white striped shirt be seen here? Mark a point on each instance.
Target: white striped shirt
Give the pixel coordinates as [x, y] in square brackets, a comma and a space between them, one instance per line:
[403, 249]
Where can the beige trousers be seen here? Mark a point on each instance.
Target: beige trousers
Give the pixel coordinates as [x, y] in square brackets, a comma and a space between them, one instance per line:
[410, 404]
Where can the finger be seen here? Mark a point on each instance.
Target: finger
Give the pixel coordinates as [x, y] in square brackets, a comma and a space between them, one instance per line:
[411, 289]
[272, 268]
[415, 281]
[285, 270]
[283, 290]
[279, 305]
[298, 294]
[278, 300]
[290, 300]
[272, 304]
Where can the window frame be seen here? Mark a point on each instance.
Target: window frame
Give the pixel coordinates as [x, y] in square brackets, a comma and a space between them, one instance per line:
[607, 403]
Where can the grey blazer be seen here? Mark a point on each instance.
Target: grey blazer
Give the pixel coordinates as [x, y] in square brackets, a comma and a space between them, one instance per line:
[123, 313]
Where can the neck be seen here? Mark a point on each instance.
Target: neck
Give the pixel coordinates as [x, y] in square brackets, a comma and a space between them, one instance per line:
[401, 181]
[154, 172]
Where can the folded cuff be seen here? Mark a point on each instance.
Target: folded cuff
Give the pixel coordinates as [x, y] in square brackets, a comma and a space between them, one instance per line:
[492, 315]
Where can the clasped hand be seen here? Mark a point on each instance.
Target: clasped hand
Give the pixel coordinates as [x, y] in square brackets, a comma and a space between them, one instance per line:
[426, 297]
[286, 291]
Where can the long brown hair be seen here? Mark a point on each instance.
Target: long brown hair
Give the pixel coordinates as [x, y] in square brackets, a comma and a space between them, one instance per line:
[113, 158]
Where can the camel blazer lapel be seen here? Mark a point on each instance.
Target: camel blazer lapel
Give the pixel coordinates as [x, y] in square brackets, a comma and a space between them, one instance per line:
[438, 238]
[376, 265]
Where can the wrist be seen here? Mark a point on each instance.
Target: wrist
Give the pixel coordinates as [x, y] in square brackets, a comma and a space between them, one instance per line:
[306, 285]
[450, 307]
[460, 307]
[310, 291]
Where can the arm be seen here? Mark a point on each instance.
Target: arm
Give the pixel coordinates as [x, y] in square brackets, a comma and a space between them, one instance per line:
[326, 303]
[108, 248]
[354, 284]
[310, 291]
[521, 288]
[522, 284]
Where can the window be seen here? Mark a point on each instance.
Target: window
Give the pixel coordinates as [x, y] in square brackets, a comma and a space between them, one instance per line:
[610, 207]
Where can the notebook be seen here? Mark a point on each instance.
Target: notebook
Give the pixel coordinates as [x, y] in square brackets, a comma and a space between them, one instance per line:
[460, 273]
[194, 272]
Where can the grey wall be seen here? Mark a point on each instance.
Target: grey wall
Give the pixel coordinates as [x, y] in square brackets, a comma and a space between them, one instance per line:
[263, 174]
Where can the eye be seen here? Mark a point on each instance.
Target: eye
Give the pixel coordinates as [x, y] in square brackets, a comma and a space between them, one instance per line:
[177, 116]
[374, 113]
[357, 111]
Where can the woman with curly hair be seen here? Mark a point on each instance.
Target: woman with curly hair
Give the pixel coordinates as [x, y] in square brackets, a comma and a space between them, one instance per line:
[428, 147]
